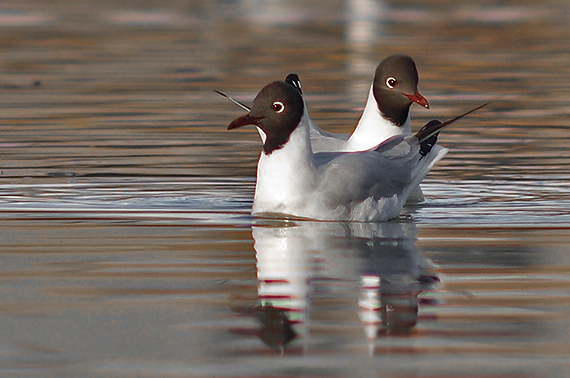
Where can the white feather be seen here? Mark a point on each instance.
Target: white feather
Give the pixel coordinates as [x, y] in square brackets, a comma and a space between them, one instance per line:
[361, 186]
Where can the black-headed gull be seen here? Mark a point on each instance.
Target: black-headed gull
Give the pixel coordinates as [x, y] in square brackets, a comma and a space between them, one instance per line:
[387, 112]
[371, 185]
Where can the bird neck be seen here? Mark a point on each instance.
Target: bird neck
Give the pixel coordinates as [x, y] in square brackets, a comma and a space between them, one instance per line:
[372, 128]
[296, 155]
[286, 173]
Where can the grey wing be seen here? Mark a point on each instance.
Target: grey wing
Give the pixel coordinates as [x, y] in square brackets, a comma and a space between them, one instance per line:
[354, 177]
[399, 147]
[324, 141]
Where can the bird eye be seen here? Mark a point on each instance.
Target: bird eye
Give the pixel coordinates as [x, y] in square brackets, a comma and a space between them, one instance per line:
[391, 82]
[278, 107]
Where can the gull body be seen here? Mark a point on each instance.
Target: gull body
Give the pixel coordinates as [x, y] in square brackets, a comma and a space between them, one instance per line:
[386, 113]
[370, 185]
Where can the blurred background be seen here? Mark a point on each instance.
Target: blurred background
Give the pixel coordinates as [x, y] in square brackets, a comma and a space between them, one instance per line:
[83, 79]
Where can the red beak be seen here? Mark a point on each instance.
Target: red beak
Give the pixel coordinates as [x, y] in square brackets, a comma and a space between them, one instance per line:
[244, 121]
[418, 99]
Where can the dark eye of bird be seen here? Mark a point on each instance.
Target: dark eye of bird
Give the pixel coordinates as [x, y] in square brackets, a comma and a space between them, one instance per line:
[391, 82]
[278, 106]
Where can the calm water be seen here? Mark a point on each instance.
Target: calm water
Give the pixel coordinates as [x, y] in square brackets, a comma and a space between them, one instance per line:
[127, 246]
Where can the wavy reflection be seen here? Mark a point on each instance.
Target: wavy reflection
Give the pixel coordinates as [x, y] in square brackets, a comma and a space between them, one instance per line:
[364, 19]
[301, 262]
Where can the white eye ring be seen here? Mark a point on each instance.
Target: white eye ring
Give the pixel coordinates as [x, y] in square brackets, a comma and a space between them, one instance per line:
[278, 107]
[391, 82]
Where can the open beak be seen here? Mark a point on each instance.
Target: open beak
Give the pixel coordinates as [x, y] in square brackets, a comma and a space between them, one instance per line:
[418, 99]
[245, 120]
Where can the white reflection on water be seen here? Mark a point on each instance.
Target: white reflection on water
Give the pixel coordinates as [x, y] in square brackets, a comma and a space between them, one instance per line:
[299, 262]
[230, 200]
[197, 201]
[364, 19]
[495, 202]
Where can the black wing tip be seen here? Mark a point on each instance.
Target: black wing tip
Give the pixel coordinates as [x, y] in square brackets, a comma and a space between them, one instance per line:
[238, 103]
[428, 130]
[434, 126]
[427, 136]
[293, 79]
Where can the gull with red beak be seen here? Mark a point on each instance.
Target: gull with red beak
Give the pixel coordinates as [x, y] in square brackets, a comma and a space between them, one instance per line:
[387, 111]
[370, 185]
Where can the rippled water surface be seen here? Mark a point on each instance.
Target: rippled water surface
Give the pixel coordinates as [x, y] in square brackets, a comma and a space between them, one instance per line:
[127, 247]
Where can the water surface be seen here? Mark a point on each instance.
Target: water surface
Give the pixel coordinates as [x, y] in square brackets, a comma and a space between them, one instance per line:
[126, 240]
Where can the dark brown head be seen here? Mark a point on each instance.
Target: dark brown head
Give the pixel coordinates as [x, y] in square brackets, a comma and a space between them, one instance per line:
[395, 88]
[277, 111]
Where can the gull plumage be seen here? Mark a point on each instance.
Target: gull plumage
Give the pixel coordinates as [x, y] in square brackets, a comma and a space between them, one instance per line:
[371, 185]
[386, 113]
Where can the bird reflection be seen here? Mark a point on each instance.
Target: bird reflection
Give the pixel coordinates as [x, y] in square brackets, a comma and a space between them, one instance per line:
[276, 330]
[300, 261]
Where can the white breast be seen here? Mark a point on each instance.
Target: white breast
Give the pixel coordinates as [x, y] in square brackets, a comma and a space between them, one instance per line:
[373, 129]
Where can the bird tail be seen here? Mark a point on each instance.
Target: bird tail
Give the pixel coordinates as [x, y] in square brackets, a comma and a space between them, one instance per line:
[424, 166]
[431, 152]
